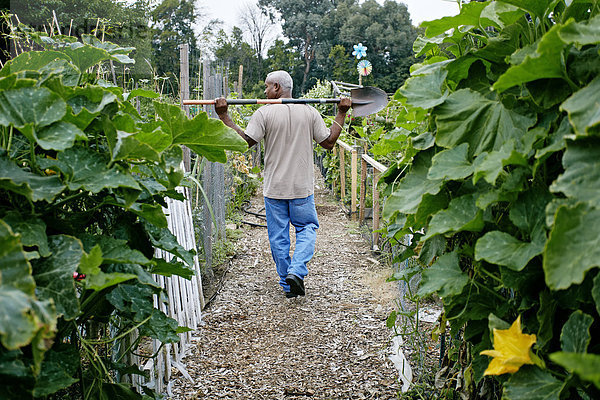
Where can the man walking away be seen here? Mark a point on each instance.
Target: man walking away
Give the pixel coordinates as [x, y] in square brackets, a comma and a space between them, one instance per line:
[288, 131]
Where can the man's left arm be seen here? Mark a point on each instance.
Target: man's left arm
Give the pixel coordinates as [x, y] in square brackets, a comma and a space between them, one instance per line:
[338, 124]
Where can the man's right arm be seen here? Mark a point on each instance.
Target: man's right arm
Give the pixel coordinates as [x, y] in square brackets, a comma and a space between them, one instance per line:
[221, 109]
[338, 124]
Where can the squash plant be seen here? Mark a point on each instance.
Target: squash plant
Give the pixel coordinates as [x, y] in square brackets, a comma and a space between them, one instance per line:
[83, 182]
[499, 188]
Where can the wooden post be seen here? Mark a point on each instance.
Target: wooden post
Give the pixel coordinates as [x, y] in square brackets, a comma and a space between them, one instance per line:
[363, 190]
[376, 175]
[342, 174]
[184, 94]
[114, 76]
[56, 21]
[240, 80]
[378, 169]
[206, 174]
[334, 180]
[354, 166]
[184, 76]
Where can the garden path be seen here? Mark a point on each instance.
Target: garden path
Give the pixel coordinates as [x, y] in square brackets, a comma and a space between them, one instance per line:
[331, 344]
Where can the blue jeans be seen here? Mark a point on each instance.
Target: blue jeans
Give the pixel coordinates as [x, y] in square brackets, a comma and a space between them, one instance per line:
[302, 214]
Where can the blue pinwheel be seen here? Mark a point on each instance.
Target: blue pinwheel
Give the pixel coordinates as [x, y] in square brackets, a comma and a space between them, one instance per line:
[359, 51]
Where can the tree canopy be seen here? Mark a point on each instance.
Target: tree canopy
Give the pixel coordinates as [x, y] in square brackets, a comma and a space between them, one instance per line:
[172, 23]
[323, 32]
[123, 23]
[317, 45]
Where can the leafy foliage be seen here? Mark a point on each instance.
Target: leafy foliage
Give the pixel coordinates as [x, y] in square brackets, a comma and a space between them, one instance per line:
[321, 34]
[499, 160]
[82, 185]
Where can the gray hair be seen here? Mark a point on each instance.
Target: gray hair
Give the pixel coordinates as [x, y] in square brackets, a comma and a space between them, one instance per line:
[283, 78]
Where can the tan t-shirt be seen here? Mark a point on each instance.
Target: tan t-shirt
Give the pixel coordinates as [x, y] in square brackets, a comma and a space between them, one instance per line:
[288, 131]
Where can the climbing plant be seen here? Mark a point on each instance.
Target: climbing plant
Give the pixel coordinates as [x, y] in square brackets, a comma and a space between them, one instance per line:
[83, 182]
[498, 186]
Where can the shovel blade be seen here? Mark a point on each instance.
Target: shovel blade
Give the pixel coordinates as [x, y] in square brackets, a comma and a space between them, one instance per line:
[367, 100]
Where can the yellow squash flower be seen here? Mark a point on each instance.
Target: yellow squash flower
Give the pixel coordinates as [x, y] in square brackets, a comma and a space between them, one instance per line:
[511, 350]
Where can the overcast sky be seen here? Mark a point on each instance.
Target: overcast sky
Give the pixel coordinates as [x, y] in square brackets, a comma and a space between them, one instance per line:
[420, 10]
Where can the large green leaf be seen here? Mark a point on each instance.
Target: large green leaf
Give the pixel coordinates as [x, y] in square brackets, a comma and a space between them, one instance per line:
[528, 211]
[163, 239]
[111, 391]
[207, 137]
[582, 33]
[539, 8]
[86, 103]
[581, 178]
[140, 93]
[115, 251]
[409, 193]
[430, 205]
[426, 91]
[59, 70]
[92, 99]
[532, 383]
[545, 316]
[498, 48]
[85, 56]
[583, 108]
[462, 214]
[54, 275]
[160, 327]
[444, 277]
[31, 229]
[490, 165]
[173, 117]
[503, 249]
[432, 248]
[58, 369]
[140, 145]
[586, 366]
[134, 300]
[59, 136]
[33, 187]
[15, 270]
[546, 61]
[575, 334]
[89, 170]
[502, 13]
[472, 305]
[35, 106]
[23, 319]
[573, 246]
[12, 365]
[117, 52]
[392, 141]
[210, 137]
[468, 117]
[34, 60]
[596, 292]
[171, 268]
[95, 278]
[451, 164]
[153, 213]
[556, 140]
[469, 16]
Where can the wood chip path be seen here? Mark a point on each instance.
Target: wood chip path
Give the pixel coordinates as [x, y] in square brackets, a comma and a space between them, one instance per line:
[331, 344]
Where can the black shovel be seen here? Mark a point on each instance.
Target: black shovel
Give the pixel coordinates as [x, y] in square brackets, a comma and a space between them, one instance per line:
[365, 101]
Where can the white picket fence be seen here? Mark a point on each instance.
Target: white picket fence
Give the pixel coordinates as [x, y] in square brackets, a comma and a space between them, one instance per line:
[185, 304]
